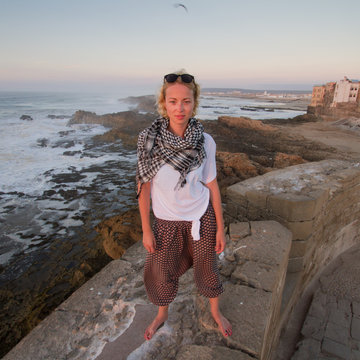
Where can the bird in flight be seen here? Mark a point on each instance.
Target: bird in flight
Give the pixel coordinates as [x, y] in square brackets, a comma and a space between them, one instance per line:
[181, 5]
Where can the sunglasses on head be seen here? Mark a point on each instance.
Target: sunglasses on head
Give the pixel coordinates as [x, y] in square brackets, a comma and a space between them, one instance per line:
[186, 78]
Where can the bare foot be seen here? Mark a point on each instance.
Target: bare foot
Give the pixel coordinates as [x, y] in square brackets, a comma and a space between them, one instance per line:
[223, 324]
[156, 323]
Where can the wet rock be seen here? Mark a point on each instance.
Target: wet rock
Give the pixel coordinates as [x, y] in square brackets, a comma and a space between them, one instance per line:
[67, 178]
[68, 194]
[58, 117]
[71, 153]
[43, 142]
[120, 232]
[65, 144]
[128, 139]
[65, 133]
[130, 120]
[125, 126]
[26, 117]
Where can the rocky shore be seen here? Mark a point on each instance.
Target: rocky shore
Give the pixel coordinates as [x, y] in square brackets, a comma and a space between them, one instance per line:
[245, 148]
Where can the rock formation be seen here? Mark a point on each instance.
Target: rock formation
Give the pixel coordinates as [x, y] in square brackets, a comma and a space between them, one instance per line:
[120, 232]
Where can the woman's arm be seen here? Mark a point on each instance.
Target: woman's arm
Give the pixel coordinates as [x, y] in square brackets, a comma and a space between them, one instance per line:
[144, 208]
[215, 199]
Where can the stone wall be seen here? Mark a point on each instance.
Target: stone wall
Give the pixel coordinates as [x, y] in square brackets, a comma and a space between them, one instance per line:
[318, 202]
[342, 110]
[261, 250]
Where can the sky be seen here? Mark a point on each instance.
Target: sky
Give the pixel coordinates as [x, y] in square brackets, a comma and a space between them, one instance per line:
[105, 45]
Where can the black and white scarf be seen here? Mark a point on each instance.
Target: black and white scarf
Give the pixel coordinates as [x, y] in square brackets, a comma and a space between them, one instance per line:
[157, 146]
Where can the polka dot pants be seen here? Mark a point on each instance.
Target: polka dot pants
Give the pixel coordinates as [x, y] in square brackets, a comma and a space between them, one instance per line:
[176, 252]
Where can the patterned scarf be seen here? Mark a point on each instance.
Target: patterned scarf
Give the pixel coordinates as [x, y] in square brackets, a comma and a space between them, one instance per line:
[157, 146]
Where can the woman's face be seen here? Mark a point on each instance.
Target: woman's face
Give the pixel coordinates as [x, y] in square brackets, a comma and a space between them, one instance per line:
[179, 104]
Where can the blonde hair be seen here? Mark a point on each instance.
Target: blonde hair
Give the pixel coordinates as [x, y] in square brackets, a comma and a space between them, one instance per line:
[194, 86]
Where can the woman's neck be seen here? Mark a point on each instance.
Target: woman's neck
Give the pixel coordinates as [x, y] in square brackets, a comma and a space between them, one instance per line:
[177, 130]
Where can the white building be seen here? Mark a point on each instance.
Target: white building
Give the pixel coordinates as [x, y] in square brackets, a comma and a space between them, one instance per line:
[346, 91]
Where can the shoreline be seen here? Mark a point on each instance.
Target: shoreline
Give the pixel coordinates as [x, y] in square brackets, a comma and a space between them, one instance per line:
[291, 101]
[233, 168]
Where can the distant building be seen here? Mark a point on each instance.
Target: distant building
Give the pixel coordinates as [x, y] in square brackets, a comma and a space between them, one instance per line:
[346, 91]
[323, 95]
[343, 91]
[336, 99]
[317, 97]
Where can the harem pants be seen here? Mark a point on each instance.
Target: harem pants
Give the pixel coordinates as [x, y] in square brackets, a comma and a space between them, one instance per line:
[176, 252]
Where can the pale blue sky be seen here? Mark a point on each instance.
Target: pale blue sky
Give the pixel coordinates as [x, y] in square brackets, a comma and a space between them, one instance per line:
[106, 44]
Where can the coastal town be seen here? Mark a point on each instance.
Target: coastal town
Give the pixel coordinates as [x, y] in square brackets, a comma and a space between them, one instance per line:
[336, 99]
[333, 93]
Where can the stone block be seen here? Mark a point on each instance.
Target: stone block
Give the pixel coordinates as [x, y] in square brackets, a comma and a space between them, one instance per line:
[318, 307]
[337, 333]
[231, 209]
[355, 328]
[348, 175]
[249, 310]
[269, 243]
[345, 306]
[298, 248]
[308, 349]
[255, 213]
[355, 354]
[313, 328]
[301, 230]
[295, 264]
[239, 230]
[257, 275]
[340, 318]
[210, 353]
[257, 198]
[292, 207]
[237, 194]
[332, 348]
[355, 308]
[320, 196]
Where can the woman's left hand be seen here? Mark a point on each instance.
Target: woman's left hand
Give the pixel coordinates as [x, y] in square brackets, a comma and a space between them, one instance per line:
[220, 241]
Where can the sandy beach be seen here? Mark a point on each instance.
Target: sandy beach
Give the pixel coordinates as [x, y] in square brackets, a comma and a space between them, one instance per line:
[345, 140]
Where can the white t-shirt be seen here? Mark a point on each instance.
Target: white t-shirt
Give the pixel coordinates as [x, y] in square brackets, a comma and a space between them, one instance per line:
[189, 202]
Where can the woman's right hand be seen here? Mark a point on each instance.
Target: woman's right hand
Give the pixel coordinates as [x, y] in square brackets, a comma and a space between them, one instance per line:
[149, 241]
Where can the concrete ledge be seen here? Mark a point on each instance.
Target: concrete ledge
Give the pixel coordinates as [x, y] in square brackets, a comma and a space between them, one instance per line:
[90, 317]
[318, 202]
[106, 318]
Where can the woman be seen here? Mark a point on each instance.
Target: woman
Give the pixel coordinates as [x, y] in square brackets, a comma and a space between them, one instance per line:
[177, 170]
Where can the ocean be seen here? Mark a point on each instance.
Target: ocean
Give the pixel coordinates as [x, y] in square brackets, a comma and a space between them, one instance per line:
[56, 185]
[34, 153]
